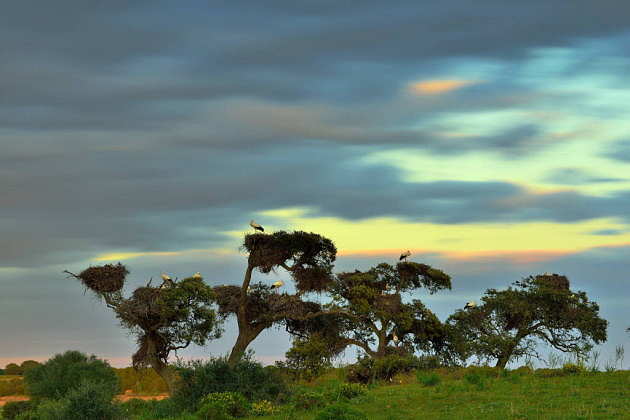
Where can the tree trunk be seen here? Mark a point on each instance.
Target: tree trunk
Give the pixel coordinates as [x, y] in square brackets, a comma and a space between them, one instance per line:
[245, 337]
[503, 360]
[162, 369]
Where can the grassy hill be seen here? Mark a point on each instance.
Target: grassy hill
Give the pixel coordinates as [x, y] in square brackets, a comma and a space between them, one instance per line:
[458, 395]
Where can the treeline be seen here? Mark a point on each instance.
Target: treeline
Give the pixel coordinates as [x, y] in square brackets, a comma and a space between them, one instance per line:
[380, 311]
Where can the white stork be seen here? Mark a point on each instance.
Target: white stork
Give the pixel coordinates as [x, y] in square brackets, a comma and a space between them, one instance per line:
[395, 338]
[470, 304]
[166, 277]
[404, 255]
[256, 226]
[197, 275]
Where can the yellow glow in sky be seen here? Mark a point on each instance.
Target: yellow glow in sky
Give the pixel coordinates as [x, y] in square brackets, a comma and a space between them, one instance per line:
[434, 87]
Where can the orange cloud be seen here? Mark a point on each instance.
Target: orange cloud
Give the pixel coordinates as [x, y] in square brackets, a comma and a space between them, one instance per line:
[436, 87]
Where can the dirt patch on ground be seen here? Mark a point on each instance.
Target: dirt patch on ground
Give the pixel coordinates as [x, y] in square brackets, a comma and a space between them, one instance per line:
[122, 398]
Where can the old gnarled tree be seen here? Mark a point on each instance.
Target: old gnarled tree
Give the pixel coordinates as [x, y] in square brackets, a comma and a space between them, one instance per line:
[509, 323]
[307, 257]
[163, 318]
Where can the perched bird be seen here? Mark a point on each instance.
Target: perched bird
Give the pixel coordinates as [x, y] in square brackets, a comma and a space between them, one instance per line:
[166, 277]
[395, 338]
[197, 275]
[470, 304]
[404, 255]
[277, 284]
[256, 226]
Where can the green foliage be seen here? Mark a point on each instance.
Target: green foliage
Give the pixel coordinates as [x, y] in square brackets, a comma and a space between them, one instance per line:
[149, 410]
[305, 399]
[14, 386]
[12, 369]
[64, 372]
[476, 379]
[48, 410]
[262, 408]
[573, 369]
[141, 381]
[12, 409]
[248, 377]
[218, 404]
[340, 411]
[308, 358]
[90, 400]
[368, 370]
[428, 379]
[352, 390]
[1, 372]
[509, 322]
[29, 364]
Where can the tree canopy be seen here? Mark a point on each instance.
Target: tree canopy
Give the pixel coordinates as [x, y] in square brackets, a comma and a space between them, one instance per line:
[510, 322]
[371, 313]
[163, 318]
[307, 257]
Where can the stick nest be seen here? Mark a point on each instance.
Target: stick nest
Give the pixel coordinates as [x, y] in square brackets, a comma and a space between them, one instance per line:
[104, 279]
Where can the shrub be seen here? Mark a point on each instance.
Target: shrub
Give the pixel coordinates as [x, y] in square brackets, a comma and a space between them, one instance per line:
[247, 377]
[475, 379]
[91, 400]
[367, 369]
[29, 364]
[64, 372]
[141, 381]
[573, 369]
[340, 411]
[149, 410]
[13, 386]
[12, 369]
[13, 408]
[350, 391]
[428, 362]
[484, 371]
[307, 400]
[430, 379]
[49, 410]
[549, 373]
[523, 370]
[263, 408]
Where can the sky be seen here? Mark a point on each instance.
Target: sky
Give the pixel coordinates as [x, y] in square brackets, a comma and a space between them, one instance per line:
[491, 139]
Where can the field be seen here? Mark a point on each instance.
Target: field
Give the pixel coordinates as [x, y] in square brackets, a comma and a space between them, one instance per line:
[457, 394]
[600, 395]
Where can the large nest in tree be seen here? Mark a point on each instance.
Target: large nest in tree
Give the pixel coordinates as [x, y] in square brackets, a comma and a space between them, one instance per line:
[104, 279]
[227, 298]
[312, 279]
[267, 251]
[553, 281]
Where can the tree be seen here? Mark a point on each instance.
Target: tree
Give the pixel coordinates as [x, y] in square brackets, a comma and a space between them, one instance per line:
[12, 369]
[163, 318]
[372, 313]
[307, 257]
[510, 322]
[29, 364]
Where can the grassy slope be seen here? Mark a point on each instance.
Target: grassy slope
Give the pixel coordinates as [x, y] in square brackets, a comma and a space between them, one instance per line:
[602, 395]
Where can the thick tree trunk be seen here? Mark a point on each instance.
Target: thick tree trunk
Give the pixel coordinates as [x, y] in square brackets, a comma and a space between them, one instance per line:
[245, 337]
[162, 369]
[503, 360]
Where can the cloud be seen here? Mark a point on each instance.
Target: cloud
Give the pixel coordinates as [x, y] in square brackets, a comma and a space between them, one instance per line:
[620, 151]
[577, 176]
[434, 87]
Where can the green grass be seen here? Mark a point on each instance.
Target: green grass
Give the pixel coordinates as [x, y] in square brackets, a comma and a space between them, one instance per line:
[600, 395]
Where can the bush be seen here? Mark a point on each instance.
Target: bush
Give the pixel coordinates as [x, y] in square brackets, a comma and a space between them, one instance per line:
[49, 410]
[13, 408]
[367, 369]
[428, 362]
[247, 377]
[475, 379]
[523, 370]
[307, 400]
[141, 381]
[91, 400]
[64, 372]
[430, 379]
[29, 364]
[13, 386]
[549, 373]
[149, 410]
[573, 369]
[263, 408]
[350, 391]
[340, 412]
[234, 403]
[12, 369]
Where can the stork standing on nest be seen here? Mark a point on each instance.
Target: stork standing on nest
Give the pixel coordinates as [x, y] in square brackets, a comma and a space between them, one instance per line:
[256, 226]
[404, 255]
[470, 304]
[197, 275]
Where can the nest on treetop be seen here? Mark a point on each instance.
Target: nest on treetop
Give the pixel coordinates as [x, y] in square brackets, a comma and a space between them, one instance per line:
[269, 250]
[104, 279]
[553, 281]
[143, 308]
